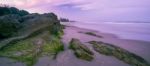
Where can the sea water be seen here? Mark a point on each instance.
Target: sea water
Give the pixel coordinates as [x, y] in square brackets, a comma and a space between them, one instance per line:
[124, 30]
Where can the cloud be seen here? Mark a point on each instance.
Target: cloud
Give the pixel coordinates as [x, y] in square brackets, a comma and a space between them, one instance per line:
[38, 3]
[88, 9]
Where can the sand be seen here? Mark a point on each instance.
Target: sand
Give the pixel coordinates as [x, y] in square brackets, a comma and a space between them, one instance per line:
[140, 48]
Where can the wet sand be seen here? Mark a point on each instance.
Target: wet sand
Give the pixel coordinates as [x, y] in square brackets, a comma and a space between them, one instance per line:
[140, 48]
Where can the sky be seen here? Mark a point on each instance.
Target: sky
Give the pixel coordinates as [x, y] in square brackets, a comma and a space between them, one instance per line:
[88, 10]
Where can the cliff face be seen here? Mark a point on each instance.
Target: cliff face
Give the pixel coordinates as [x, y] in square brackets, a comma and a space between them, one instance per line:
[14, 23]
[38, 35]
[14, 27]
[25, 37]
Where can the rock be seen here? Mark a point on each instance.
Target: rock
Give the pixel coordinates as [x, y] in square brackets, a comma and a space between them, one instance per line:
[28, 17]
[93, 34]
[119, 53]
[81, 51]
[83, 55]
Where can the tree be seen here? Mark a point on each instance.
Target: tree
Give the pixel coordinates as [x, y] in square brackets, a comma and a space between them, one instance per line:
[23, 12]
[64, 20]
[4, 10]
[14, 10]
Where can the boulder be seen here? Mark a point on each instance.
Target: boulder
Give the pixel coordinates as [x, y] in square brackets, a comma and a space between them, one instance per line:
[80, 50]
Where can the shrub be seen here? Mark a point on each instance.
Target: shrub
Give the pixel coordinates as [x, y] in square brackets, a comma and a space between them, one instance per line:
[5, 10]
[8, 27]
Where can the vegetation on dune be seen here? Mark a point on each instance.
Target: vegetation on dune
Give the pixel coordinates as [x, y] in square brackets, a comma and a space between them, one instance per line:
[81, 51]
[8, 27]
[5, 10]
[119, 53]
[10, 21]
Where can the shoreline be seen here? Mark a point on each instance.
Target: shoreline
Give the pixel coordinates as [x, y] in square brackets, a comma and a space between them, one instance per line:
[140, 48]
[120, 30]
[109, 34]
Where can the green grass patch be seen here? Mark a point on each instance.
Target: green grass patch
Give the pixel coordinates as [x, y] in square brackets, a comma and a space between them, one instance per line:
[26, 50]
[119, 53]
[53, 47]
[21, 51]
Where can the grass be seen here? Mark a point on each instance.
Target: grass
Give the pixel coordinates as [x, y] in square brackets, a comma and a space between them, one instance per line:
[81, 51]
[25, 50]
[119, 53]
[53, 47]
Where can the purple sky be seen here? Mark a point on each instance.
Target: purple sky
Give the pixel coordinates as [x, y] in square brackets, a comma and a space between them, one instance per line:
[94, 10]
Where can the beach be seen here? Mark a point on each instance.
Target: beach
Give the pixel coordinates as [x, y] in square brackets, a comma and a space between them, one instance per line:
[68, 58]
[74, 33]
[140, 48]
[123, 30]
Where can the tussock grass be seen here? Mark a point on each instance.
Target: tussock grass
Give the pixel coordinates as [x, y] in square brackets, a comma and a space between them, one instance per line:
[53, 47]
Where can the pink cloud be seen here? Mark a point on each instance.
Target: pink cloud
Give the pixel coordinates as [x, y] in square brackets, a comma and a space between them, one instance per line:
[97, 8]
[27, 3]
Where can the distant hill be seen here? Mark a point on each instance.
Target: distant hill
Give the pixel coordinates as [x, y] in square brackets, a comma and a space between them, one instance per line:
[65, 20]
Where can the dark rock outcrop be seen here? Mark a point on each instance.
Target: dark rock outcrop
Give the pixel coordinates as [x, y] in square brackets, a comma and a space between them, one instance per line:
[81, 51]
[119, 53]
[10, 25]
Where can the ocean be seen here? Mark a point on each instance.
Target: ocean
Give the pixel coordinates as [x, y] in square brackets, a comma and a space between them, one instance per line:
[124, 30]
